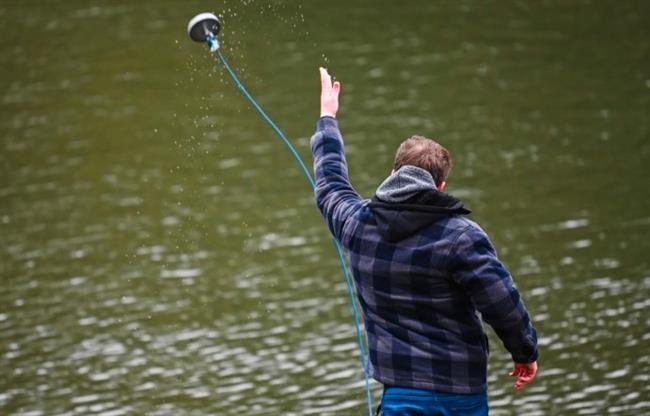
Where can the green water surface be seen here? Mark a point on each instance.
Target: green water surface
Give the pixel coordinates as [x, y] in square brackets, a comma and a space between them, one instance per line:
[161, 254]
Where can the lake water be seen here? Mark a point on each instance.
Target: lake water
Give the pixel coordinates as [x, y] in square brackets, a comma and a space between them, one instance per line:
[161, 254]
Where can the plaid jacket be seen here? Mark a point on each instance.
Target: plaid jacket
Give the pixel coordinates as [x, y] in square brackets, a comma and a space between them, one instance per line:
[423, 296]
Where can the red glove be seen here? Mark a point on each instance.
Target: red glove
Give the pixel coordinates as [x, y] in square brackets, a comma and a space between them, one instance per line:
[525, 373]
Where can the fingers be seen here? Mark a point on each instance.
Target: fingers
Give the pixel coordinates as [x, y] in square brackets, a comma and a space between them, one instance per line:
[522, 381]
[329, 96]
[525, 373]
[325, 79]
[518, 371]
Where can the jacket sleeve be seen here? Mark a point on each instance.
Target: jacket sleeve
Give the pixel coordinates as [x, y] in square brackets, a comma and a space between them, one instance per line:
[475, 266]
[335, 197]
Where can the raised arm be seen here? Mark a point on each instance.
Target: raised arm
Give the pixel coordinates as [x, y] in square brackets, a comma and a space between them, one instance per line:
[335, 197]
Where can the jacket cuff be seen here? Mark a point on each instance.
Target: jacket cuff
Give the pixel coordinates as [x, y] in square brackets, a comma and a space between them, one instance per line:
[326, 121]
[527, 360]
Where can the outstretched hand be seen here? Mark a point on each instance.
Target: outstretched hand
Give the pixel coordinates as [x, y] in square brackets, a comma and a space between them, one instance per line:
[329, 94]
[525, 373]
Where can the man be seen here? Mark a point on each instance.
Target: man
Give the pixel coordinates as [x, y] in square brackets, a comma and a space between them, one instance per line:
[425, 277]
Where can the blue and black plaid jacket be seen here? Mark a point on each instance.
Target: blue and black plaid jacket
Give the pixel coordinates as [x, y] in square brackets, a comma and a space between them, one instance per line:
[423, 297]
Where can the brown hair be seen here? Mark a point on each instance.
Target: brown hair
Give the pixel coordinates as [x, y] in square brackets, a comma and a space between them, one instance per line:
[426, 154]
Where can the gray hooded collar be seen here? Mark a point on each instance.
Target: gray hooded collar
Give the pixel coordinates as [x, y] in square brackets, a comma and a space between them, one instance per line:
[404, 184]
[408, 201]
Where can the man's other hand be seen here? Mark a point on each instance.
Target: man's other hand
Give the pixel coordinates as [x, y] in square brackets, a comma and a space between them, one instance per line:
[329, 94]
[525, 373]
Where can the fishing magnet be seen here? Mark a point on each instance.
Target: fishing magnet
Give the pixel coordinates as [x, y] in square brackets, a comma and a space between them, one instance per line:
[203, 26]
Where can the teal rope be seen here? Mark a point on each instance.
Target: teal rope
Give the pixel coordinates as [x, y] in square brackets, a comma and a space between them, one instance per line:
[214, 46]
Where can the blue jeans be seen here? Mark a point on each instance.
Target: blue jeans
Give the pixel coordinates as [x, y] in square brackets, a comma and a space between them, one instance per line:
[415, 402]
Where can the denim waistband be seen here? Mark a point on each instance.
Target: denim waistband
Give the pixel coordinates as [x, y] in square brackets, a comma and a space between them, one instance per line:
[393, 390]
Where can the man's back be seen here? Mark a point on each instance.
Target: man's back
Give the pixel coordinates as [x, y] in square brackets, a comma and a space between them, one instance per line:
[422, 329]
[425, 275]
[421, 271]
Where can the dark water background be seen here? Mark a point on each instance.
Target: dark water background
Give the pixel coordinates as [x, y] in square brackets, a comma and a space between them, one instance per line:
[160, 253]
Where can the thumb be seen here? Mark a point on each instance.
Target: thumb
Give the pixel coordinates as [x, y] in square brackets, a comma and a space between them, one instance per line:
[336, 87]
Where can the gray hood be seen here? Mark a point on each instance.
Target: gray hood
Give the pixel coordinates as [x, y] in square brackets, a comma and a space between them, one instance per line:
[404, 184]
[408, 201]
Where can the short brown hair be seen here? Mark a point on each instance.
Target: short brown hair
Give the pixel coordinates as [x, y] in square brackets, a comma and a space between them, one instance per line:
[426, 154]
